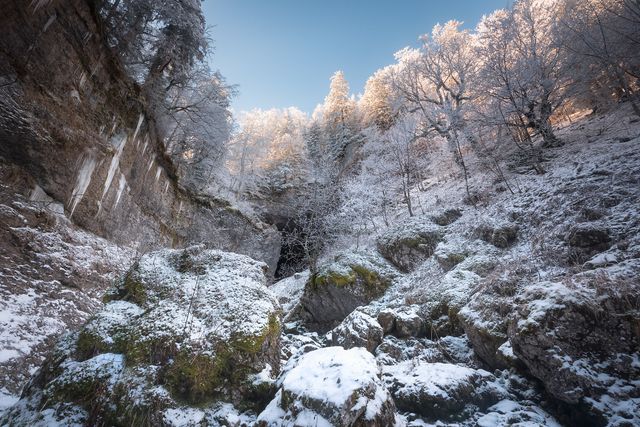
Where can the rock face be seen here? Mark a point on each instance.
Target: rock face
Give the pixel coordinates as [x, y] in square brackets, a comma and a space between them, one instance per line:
[85, 139]
[183, 329]
[409, 244]
[582, 341]
[358, 330]
[332, 387]
[351, 280]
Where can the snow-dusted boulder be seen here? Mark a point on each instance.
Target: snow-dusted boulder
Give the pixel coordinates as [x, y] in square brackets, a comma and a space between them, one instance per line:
[289, 291]
[581, 339]
[586, 239]
[509, 412]
[441, 391]
[446, 217]
[402, 322]
[352, 279]
[485, 319]
[588, 235]
[331, 387]
[499, 233]
[357, 330]
[410, 243]
[184, 328]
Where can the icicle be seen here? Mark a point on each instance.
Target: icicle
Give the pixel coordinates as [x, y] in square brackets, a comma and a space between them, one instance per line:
[50, 21]
[115, 161]
[140, 119]
[121, 186]
[82, 182]
[158, 171]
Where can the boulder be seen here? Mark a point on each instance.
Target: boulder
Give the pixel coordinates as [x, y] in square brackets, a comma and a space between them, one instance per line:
[509, 412]
[352, 279]
[588, 235]
[331, 387]
[183, 329]
[485, 319]
[586, 239]
[441, 391]
[500, 234]
[357, 330]
[402, 322]
[409, 244]
[446, 217]
[446, 297]
[581, 338]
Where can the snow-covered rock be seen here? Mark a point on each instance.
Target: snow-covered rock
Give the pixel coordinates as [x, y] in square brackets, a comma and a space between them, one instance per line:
[357, 330]
[446, 217]
[332, 387]
[289, 291]
[499, 233]
[509, 412]
[580, 338]
[350, 280]
[485, 319]
[441, 391]
[183, 329]
[402, 322]
[410, 243]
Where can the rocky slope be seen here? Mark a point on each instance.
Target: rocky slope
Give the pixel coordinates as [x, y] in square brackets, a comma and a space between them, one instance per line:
[524, 309]
[521, 311]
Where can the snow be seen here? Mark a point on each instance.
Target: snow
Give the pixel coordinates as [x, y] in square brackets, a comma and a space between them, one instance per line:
[332, 374]
[330, 380]
[289, 290]
[184, 417]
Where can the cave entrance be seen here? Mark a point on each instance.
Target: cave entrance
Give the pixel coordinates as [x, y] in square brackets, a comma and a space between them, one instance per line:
[292, 255]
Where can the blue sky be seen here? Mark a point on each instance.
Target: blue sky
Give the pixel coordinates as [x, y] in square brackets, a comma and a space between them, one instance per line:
[282, 53]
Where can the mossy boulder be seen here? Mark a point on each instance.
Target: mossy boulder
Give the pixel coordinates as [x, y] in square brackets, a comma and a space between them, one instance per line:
[350, 280]
[183, 329]
[410, 244]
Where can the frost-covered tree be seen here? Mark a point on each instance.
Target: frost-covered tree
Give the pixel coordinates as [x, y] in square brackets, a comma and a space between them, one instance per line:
[379, 104]
[435, 82]
[163, 46]
[158, 41]
[339, 121]
[395, 159]
[522, 67]
[603, 39]
[268, 151]
[197, 123]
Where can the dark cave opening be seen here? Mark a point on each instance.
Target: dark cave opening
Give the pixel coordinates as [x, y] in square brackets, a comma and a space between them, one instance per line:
[292, 254]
